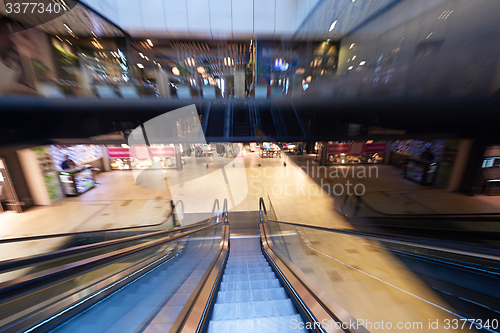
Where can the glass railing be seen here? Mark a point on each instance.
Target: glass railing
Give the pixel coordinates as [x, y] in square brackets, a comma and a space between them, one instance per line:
[411, 218]
[159, 276]
[389, 285]
[89, 222]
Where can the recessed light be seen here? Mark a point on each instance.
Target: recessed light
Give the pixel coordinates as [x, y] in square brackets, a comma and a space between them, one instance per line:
[140, 65]
[332, 26]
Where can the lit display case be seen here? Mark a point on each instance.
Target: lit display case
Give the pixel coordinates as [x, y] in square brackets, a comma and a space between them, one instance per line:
[76, 182]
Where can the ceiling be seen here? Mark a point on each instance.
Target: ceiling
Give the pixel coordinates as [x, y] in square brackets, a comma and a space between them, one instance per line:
[79, 20]
[237, 19]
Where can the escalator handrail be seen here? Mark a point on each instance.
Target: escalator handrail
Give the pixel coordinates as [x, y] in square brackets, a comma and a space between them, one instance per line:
[17, 263]
[29, 282]
[70, 234]
[449, 247]
[195, 313]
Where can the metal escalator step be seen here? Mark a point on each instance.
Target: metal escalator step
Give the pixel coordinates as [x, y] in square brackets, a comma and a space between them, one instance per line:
[243, 265]
[249, 277]
[249, 263]
[246, 255]
[236, 296]
[269, 325]
[253, 310]
[249, 270]
[256, 284]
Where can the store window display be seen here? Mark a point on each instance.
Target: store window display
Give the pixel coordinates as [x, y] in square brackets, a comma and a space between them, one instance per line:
[356, 152]
[76, 164]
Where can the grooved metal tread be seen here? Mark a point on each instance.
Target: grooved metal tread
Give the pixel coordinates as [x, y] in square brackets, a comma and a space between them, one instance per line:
[250, 297]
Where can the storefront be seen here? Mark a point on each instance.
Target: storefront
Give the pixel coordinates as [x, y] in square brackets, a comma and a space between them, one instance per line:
[142, 156]
[8, 196]
[355, 152]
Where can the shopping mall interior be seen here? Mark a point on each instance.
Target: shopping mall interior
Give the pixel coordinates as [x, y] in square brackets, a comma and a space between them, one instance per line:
[250, 166]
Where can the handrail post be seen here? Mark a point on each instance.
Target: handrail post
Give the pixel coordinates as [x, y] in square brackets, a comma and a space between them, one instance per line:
[225, 211]
[174, 214]
[262, 209]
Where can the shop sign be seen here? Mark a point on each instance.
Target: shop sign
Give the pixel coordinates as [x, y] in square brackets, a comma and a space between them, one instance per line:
[356, 148]
[140, 152]
[118, 152]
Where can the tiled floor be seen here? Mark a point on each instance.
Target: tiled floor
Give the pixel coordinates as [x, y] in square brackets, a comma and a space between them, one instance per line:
[386, 190]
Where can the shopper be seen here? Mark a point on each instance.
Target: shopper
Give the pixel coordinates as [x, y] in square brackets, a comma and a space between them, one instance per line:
[68, 163]
[427, 155]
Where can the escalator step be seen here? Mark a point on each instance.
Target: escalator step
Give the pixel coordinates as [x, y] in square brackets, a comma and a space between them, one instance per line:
[243, 285]
[270, 324]
[237, 296]
[249, 270]
[249, 310]
[243, 265]
[247, 277]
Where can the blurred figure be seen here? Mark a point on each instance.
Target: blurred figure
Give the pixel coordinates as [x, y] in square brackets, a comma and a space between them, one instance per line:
[427, 155]
[68, 163]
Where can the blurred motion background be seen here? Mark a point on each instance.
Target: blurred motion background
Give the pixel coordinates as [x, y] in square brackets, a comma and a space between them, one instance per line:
[256, 49]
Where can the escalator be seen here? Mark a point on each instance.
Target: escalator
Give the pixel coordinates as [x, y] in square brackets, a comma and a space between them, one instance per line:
[249, 272]
[216, 117]
[241, 121]
[265, 121]
[290, 122]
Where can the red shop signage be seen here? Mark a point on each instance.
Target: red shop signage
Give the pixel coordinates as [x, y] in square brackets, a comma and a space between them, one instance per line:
[140, 152]
[356, 148]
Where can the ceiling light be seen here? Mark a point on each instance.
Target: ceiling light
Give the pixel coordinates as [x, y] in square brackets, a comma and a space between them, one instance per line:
[69, 42]
[200, 70]
[334, 23]
[353, 57]
[308, 79]
[142, 55]
[175, 71]
[362, 63]
[149, 42]
[350, 67]
[429, 35]
[140, 65]
[352, 45]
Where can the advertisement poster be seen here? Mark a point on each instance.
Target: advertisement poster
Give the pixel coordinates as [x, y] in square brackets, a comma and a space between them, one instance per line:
[50, 176]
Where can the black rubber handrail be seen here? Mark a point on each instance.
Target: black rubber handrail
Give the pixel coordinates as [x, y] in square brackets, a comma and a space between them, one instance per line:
[12, 264]
[76, 233]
